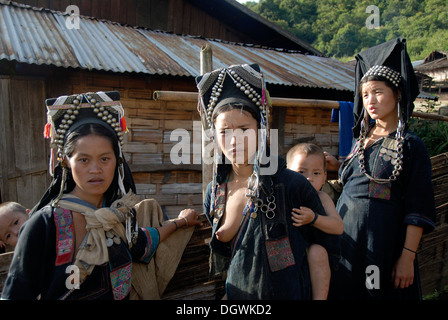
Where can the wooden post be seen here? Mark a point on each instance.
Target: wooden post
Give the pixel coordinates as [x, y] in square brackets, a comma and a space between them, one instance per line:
[206, 65]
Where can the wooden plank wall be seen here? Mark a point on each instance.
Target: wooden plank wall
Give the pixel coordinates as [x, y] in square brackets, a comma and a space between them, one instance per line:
[23, 151]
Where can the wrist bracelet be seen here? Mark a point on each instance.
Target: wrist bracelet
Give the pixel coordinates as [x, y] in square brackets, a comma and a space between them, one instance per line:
[175, 225]
[186, 221]
[410, 250]
[315, 218]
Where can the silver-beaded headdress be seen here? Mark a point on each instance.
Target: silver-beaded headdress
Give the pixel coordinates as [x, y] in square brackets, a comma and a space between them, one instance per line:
[66, 113]
[235, 84]
[389, 74]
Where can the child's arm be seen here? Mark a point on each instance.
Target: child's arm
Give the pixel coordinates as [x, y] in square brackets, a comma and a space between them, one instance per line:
[331, 223]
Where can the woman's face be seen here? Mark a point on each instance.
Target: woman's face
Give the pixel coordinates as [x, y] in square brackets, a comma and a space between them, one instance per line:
[237, 135]
[93, 165]
[379, 100]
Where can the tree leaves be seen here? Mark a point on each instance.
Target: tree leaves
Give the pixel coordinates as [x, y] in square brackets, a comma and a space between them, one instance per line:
[338, 27]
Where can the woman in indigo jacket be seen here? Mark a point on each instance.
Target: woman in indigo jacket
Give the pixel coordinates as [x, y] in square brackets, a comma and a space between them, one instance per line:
[387, 201]
[254, 244]
[82, 239]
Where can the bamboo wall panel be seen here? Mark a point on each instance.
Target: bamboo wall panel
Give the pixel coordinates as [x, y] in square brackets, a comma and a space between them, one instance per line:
[433, 251]
[311, 125]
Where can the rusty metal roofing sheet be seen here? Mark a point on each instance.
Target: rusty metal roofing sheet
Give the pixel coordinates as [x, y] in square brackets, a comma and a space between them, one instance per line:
[40, 36]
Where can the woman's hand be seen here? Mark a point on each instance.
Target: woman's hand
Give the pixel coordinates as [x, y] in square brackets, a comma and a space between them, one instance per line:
[190, 217]
[186, 218]
[403, 271]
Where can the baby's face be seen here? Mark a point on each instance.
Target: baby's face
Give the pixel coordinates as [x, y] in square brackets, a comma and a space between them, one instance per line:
[312, 167]
[10, 223]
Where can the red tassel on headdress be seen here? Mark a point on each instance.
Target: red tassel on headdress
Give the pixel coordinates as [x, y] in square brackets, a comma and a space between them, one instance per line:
[123, 125]
[47, 131]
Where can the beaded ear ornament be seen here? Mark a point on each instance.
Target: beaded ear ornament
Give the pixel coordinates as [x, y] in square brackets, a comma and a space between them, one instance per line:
[64, 112]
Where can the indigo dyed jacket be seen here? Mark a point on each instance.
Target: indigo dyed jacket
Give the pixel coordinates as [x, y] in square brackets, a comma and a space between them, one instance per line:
[268, 257]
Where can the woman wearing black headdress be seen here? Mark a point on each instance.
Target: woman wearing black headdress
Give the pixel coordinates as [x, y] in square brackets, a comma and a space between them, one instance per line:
[82, 239]
[387, 200]
[254, 244]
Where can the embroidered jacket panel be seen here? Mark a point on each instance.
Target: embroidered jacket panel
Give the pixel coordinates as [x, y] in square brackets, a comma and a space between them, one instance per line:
[34, 271]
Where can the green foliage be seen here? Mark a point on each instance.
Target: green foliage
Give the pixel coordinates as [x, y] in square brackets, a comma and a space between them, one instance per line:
[338, 27]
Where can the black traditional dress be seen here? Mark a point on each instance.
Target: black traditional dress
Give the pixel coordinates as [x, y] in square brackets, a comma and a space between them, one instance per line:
[267, 259]
[376, 216]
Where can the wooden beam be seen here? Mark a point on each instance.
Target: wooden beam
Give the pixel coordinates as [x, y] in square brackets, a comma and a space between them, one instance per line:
[432, 116]
[281, 102]
[276, 102]
[164, 167]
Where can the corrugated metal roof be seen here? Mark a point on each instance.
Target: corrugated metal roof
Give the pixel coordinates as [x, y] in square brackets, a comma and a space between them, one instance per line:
[40, 36]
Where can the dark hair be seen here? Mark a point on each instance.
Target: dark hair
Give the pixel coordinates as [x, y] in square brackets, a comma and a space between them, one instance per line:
[306, 149]
[234, 106]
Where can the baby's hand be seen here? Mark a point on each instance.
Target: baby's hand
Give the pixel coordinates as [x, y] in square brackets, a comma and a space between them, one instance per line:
[333, 164]
[302, 216]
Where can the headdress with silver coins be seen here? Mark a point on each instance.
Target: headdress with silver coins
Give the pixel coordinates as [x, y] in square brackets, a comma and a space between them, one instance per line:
[246, 78]
[67, 113]
[391, 75]
[236, 84]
